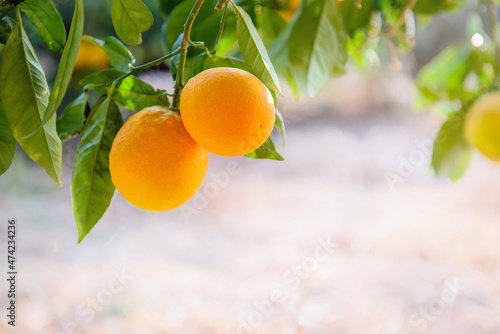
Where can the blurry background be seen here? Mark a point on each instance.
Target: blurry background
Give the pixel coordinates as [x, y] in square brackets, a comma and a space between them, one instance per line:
[352, 233]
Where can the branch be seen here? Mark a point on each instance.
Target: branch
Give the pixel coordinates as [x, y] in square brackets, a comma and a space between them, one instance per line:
[183, 53]
[402, 19]
[134, 70]
[392, 31]
[221, 29]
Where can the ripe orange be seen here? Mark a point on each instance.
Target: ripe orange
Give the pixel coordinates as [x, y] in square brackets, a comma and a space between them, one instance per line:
[154, 163]
[228, 111]
[482, 126]
[91, 57]
[287, 14]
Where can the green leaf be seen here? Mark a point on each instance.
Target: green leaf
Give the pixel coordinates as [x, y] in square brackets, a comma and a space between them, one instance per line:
[452, 153]
[278, 50]
[119, 56]
[6, 26]
[460, 73]
[130, 19]
[136, 94]
[428, 7]
[254, 52]
[132, 92]
[205, 26]
[279, 124]
[47, 22]
[442, 78]
[266, 151]
[91, 186]
[316, 44]
[67, 62]
[7, 143]
[355, 17]
[25, 94]
[272, 25]
[71, 121]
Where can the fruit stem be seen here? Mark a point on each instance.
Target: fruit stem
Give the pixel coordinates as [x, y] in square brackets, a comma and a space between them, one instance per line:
[183, 53]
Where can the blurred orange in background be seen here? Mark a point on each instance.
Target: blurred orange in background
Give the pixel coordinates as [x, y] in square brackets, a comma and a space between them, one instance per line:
[91, 57]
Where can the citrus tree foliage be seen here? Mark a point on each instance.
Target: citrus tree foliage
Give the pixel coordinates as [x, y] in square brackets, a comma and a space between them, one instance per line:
[302, 44]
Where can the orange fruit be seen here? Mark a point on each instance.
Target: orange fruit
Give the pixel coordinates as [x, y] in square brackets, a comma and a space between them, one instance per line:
[228, 111]
[154, 163]
[91, 57]
[287, 14]
[482, 126]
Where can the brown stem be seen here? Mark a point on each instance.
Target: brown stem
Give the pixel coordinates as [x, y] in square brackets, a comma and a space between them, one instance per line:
[402, 19]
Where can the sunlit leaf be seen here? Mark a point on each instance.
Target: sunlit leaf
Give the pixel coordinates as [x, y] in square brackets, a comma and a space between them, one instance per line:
[443, 77]
[452, 153]
[254, 52]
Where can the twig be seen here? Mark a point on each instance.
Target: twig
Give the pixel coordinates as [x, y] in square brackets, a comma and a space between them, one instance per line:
[396, 64]
[221, 29]
[402, 19]
[183, 53]
[134, 70]
[393, 31]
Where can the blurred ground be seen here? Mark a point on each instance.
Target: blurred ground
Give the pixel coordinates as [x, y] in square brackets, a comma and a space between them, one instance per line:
[323, 234]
